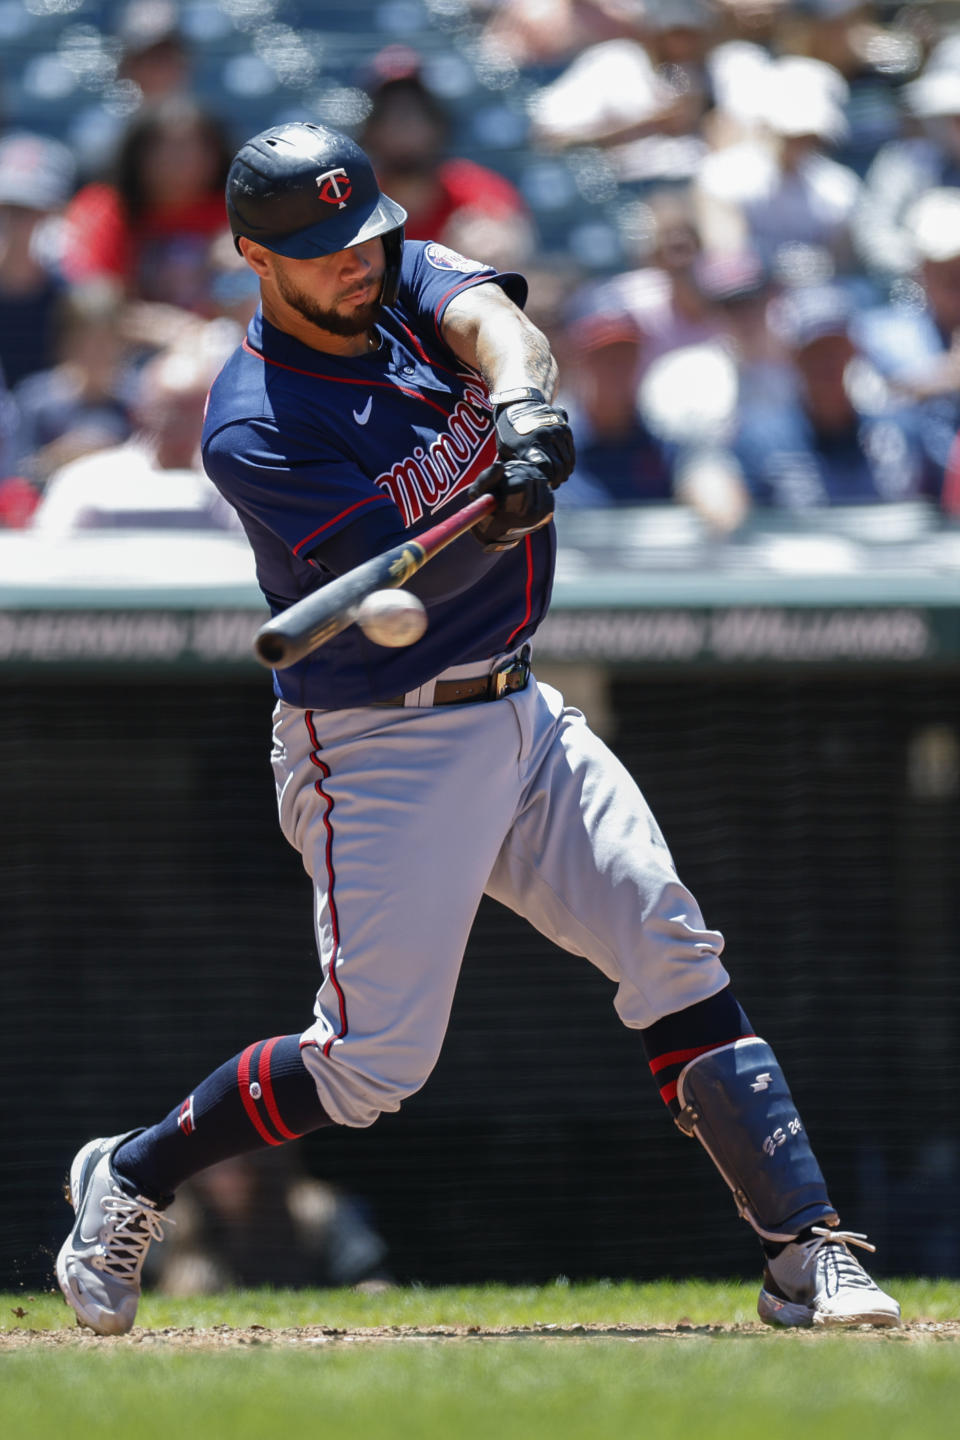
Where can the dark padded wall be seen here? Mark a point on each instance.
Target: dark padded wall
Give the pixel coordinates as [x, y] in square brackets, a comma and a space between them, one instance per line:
[154, 922]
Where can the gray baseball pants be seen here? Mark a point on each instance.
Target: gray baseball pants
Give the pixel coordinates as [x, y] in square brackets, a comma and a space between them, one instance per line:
[405, 817]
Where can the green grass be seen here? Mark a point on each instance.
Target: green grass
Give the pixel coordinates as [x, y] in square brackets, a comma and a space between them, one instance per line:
[519, 1390]
[710, 1387]
[561, 1303]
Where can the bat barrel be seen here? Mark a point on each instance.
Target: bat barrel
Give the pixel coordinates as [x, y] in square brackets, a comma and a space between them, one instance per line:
[272, 648]
[311, 622]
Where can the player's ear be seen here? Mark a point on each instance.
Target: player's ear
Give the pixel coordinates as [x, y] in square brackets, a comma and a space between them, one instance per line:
[256, 256]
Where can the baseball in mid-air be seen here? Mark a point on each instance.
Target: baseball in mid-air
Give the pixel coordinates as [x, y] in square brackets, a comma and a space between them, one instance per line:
[392, 617]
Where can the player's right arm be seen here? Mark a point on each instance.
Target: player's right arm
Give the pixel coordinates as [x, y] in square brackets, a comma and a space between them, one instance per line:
[484, 328]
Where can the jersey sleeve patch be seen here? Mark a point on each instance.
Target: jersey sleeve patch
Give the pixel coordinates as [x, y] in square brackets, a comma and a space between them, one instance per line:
[441, 257]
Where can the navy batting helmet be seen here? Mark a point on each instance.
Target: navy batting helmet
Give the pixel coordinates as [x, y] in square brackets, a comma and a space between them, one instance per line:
[302, 190]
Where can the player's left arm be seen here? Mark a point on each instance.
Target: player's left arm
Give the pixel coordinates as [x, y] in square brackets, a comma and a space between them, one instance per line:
[485, 329]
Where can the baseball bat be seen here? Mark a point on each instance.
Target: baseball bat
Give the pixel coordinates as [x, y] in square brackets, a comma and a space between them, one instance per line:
[315, 619]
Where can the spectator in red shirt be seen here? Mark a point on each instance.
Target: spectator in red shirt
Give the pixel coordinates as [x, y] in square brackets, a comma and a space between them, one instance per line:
[151, 228]
[446, 199]
[950, 494]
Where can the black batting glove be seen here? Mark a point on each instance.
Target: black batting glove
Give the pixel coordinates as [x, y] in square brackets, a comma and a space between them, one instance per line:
[538, 432]
[524, 503]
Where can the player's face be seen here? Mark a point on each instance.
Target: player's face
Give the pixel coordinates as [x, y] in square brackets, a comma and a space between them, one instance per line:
[338, 293]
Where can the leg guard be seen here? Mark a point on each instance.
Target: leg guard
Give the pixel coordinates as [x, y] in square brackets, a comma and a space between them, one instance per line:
[736, 1102]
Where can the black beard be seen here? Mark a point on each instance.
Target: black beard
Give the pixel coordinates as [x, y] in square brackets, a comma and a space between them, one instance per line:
[348, 326]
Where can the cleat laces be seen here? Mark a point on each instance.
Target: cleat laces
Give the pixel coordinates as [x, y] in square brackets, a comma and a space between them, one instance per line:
[832, 1260]
[130, 1226]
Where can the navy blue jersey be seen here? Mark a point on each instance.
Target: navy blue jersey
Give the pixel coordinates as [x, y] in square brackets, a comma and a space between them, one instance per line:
[330, 459]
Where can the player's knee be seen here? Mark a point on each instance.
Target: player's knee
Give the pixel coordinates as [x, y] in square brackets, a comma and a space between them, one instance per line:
[356, 1095]
[360, 1105]
[673, 962]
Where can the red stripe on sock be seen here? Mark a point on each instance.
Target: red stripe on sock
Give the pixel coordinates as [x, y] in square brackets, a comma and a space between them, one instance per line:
[249, 1104]
[266, 1085]
[683, 1057]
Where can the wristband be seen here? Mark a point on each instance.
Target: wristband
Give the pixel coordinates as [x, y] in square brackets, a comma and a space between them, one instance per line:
[499, 398]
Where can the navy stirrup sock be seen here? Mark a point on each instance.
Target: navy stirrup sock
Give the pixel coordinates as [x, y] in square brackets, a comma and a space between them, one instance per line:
[677, 1039]
[263, 1096]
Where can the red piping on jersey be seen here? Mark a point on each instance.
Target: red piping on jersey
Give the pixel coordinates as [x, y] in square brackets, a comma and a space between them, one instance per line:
[249, 1104]
[529, 591]
[331, 878]
[358, 505]
[266, 1085]
[435, 364]
[344, 380]
[415, 342]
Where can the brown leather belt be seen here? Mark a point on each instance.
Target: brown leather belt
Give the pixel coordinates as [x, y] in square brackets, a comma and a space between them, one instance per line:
[506, 681]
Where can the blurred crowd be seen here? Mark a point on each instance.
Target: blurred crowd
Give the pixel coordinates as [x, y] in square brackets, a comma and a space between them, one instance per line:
[740, 220]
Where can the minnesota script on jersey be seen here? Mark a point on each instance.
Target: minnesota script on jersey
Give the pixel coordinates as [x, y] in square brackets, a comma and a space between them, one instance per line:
[331, 459]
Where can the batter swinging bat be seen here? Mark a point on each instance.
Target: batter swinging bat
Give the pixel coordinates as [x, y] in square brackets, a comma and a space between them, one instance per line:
[315, 619]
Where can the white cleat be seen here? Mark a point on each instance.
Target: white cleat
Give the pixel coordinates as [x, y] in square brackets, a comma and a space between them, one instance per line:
[819, 1282]
[99, 1265]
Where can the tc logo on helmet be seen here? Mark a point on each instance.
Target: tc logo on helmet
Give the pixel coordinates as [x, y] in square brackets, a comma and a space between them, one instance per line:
[335, 187]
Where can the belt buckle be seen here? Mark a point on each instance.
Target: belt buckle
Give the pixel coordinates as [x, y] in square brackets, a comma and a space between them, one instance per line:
[512, 677]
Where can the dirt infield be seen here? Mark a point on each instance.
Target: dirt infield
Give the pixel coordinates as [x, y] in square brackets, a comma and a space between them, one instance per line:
[226, 1337]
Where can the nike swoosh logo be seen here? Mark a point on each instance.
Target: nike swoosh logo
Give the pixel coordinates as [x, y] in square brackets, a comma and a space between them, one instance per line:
[362, 416]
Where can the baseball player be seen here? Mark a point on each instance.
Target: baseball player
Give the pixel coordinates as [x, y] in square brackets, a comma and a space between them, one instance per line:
[380, 385]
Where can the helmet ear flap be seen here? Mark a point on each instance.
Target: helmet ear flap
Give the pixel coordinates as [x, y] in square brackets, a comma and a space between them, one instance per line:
[393, 255]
